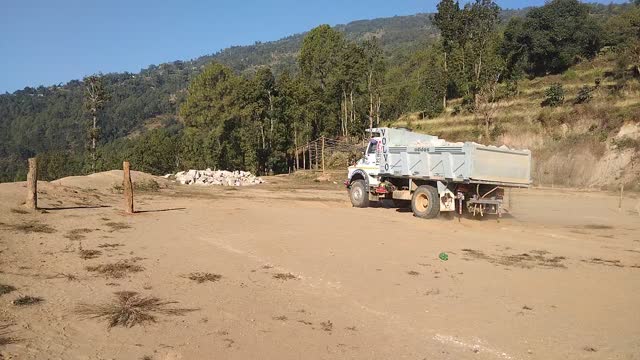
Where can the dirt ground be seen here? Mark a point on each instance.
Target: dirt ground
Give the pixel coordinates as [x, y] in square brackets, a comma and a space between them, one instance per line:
[289, 270]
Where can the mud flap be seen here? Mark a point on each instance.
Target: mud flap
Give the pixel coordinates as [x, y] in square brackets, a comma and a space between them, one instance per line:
[447, 198]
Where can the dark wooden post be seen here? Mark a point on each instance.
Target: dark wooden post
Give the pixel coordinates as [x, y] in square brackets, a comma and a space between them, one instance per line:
[32, 185]
[323, 155]
[315, 153]
[128, 188]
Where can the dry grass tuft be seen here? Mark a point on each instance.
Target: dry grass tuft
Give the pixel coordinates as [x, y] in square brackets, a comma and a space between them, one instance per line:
[413, 273]
[115, 226]
[598, 261]
[109, 246]
[598, 227]
[116, 270]
[69, 277]
[89, 254]
[5, 289]
[129, 309]
[201, 277]
[30, 227]
[327, 325]
[27, 300]
[285, 276]
[524, 260]
[5, 335]
[77, 234]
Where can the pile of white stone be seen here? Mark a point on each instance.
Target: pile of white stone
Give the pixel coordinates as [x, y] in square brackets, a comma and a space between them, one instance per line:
[217, 177]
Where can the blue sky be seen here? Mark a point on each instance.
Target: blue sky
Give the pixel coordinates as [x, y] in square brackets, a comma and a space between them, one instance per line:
[45, 42]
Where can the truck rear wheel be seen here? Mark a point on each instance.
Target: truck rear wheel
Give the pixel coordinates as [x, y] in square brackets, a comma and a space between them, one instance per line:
[359, 194]
[425, 202]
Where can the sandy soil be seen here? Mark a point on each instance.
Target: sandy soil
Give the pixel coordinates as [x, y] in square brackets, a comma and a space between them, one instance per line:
[305, 276]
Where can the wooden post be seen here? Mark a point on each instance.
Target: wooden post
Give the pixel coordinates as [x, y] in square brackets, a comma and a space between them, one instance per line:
[621, 193]
[510, 203]
[315, 152]
[323, 155]
[128, 188]
[304, 159]
[32, 185]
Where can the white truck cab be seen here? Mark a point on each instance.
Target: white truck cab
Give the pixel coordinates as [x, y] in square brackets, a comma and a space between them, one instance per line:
[368, 166]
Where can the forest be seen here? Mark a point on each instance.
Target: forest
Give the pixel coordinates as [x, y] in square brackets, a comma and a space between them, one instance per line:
[248, 108]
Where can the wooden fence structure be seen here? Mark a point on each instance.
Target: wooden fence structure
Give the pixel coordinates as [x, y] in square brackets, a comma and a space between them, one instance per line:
[314, 154]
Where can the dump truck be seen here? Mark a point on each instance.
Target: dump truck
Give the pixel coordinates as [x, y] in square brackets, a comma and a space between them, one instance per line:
[432, 175]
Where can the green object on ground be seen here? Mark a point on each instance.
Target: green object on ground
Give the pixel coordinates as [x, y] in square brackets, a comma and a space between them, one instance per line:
[443, 256]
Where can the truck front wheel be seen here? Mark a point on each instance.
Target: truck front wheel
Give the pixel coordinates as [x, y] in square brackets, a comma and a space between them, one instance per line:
[359, 194]
[425, 202]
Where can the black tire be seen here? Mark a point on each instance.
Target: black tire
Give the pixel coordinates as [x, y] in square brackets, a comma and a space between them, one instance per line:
[425, 202]
[359, 194]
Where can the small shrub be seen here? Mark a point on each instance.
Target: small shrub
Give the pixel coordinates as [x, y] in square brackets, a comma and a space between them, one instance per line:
[547, 119]
[570, 75]
[554, 95]
[584, 95]
[627, 143]
[469, 103]
[129, 309]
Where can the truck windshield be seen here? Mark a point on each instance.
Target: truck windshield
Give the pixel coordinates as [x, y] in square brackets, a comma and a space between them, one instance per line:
[372, 147]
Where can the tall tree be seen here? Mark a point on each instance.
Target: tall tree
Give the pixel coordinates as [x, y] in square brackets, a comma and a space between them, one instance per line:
[320, 64]
[350, 74]
[483, 19]
[95, 98]
[553, 37]
[320, 55]
[375, 68]
[449, 21]
[260, 96]
[213, 110]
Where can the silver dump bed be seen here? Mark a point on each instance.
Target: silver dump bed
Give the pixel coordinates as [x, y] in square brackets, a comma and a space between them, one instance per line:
[408, 154]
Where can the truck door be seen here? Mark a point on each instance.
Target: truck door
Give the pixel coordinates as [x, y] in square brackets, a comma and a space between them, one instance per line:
[370, 157]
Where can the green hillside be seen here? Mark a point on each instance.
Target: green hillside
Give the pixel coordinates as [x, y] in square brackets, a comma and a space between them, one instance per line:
[589, 141]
